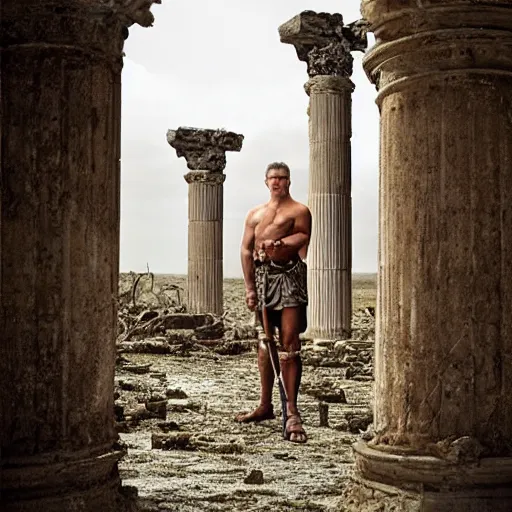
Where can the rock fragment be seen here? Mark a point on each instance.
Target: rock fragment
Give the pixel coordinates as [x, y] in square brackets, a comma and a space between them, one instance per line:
[255, 477]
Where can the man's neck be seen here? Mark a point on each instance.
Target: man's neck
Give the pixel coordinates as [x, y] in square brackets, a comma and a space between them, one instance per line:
[279, 201]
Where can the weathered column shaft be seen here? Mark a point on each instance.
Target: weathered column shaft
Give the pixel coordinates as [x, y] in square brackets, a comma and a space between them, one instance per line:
[59, 254]
[444, 332]
[445, 286]
[205, 152]
[330, 252]
[205, 216]
[325, 44]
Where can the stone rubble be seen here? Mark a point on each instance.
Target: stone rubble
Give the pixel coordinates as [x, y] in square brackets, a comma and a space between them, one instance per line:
[195, 457]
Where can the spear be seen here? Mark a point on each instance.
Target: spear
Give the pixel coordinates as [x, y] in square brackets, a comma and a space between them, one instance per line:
[274, 359]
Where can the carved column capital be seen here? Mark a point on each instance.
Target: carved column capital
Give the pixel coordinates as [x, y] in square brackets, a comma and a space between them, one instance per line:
[441, 40]
[212, 178]
[96, 27]
[324, 42]
[204, 150]
[390, 19]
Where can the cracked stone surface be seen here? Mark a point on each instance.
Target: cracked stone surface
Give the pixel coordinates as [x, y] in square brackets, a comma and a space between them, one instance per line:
[324, 42]
[204, 149]
[210, 458]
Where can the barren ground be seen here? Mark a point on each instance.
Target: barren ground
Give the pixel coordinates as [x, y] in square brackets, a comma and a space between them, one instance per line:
[210, 455]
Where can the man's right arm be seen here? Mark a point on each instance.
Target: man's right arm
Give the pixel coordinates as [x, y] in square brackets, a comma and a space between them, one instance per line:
[247, 257]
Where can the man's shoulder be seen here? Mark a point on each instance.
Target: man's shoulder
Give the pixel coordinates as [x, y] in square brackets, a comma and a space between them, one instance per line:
[252, 215]
[257, 208]
[300, 208]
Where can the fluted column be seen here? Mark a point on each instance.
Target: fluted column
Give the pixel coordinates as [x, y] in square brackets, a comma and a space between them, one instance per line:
[59, 251]
[205, 152]
[325, 43]
[205, 217]
[330, 253]
[443, 404]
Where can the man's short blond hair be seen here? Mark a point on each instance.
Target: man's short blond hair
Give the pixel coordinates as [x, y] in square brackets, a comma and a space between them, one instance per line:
[277, 165]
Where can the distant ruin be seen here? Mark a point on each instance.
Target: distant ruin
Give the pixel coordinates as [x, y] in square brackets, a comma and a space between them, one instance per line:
[205, 153]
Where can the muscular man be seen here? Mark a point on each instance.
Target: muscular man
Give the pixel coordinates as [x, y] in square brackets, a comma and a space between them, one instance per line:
[279, 231]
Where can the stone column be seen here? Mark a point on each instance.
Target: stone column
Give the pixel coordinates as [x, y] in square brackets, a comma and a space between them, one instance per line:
[325, 44]
[443, 405]
[59, 251]
[205, 152]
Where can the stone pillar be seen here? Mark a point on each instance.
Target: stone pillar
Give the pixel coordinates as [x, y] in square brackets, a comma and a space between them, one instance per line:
[325, 44]
[59, 251]
[205, 152]
[443, 405]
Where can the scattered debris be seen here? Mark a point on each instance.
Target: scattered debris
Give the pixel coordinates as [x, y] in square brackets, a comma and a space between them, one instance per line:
[172, 441]
[177, 392]
[255, 477]
[358, 422]
[323, 410]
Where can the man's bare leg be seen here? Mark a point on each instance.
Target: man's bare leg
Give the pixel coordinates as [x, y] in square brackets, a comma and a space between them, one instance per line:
[291, 367]
[265, 410]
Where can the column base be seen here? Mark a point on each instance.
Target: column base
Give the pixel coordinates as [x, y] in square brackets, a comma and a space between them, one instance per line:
[325, 339]
[413, 483]
[89, 484]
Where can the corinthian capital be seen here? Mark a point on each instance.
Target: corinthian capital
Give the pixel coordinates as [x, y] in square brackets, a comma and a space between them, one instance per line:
[324, 42]
[204, 150]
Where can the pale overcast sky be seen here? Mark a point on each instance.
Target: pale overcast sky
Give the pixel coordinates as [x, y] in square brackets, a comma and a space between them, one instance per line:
[220, 64]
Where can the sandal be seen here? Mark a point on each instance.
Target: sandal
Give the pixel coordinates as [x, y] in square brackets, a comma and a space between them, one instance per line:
[294, 427]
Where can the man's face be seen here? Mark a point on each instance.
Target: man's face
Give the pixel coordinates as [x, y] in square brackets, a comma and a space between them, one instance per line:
[278, 182]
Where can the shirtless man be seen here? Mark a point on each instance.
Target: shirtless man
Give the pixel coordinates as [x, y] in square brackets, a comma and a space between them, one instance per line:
[280, 229]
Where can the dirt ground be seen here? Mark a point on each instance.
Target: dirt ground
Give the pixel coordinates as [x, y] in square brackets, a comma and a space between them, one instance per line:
[209, 462]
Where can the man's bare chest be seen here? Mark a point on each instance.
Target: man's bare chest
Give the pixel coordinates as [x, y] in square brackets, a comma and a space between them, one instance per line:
[273, 221]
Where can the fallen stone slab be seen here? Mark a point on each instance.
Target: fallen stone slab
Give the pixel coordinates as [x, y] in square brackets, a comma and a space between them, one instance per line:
[233, 348]
[177, 393]
[172, 441]
[159, 409]
[183, 405]
[168, 426]
[186, 321]
[136, 368]
[131, 385]
[179, 336]
[221, 448]
[140, 412]
[213, 331]
[144, 347]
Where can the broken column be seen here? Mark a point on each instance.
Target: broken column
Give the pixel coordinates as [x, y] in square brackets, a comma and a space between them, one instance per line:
[205, 153]
[443, 404]
[59, 251]
[324, 43]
